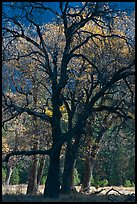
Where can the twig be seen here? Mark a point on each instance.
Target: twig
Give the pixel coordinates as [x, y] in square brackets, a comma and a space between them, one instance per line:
[97, 192]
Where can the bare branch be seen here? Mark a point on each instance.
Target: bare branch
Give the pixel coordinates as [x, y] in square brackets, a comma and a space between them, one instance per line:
[21, 110]
[85, 58]
[10, 118]
[17, 34]
[112, 109]
[26, 153]
[94, 36]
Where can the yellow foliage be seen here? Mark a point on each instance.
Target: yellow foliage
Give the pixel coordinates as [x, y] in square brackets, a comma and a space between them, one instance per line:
[62, 108]
[49, 112]
[5, 146]
[131, 115]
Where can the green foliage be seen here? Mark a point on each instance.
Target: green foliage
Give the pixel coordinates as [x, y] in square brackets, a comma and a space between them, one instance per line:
[22, 167]
[103, 183]
[43, 180]
[23, 176]
[15, 177]
[128, 183]
[98, 183]
[92, 181]
[116, 161]
[76, 177]
[3, 175]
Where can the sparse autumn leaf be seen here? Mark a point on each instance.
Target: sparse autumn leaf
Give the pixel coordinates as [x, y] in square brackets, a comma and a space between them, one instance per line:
[62, 108]
[49, 112]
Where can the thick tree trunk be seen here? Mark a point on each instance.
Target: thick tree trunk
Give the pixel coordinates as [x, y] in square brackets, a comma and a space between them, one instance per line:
[52, 186]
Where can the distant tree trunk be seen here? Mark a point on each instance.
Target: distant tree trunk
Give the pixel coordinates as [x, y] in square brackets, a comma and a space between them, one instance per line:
[91, 152]
[40, 170]
[89, 165]
[91, 156]
[8, 175]
[88, 170]
[32, 183]
[72, 184]
[52, 185]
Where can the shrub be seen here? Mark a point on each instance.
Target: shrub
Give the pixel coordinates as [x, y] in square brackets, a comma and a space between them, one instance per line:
[127, 183]
[92, 181]
[100, 183]
[76, 177]
[133, 184]
[15, 177]
[43, 180]
[103, 183]
[3, 175]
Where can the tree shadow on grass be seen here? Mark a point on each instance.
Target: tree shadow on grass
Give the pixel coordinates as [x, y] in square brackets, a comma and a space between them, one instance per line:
[78, 197]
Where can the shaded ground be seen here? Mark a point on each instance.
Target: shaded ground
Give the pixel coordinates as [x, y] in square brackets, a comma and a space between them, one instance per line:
[72, 198]
[106, 194]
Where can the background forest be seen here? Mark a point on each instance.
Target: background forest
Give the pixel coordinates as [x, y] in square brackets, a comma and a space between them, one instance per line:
[115, 162]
